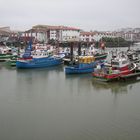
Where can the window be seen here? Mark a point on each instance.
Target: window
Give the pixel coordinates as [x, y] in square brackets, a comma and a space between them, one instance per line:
[124, 62]
[115, 63]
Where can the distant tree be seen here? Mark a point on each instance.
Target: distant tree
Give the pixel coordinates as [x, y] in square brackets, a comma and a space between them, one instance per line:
[116, 42]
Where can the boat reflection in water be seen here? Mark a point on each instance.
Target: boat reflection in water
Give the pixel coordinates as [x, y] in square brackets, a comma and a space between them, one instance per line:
[116, 86]
[46, 104]
[42, 72]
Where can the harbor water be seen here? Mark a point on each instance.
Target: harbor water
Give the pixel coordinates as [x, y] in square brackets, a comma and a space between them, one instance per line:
[46, 104]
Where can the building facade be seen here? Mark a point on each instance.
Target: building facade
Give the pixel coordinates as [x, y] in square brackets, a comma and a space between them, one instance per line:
[44, 33]
[94, 36]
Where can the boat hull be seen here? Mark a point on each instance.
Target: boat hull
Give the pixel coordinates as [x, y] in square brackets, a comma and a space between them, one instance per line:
[71, 70]
[101, 57]
[80, 68]
[4, 57]
[113, 76]
[38, 63]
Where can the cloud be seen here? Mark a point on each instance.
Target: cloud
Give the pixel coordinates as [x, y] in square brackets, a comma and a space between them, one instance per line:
[91, 14]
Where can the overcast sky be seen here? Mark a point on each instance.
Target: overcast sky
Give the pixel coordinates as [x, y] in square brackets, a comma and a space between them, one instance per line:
[85, 14]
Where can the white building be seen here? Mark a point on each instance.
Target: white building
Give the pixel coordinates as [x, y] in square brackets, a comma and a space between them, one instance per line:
[136, 30]
[94, 36]
[129, 34]
[63, 33]
[59, 33]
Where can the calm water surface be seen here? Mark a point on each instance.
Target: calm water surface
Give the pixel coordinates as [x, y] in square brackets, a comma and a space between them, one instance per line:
[45, 104]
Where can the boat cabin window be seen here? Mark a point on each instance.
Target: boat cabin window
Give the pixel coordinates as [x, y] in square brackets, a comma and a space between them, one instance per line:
[115, 63]
[124, 62]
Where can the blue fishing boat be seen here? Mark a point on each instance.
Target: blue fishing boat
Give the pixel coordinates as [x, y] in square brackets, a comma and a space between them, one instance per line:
[38, 59]
[86, 64]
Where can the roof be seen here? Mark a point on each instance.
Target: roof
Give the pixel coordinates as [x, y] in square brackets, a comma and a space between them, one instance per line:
[49, 27]
[4, 32]
[94, 33]
[87, 33]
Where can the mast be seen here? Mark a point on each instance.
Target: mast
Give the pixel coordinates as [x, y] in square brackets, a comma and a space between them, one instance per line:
[71, 51]
[79, 48]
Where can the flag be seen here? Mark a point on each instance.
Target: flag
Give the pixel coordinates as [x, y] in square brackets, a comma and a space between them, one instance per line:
[102, 45]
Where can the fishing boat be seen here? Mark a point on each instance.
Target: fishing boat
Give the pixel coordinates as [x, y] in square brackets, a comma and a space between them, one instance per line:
[38, 59]
[120, 68]
[85, 64]
[133, 55]
[5, 53]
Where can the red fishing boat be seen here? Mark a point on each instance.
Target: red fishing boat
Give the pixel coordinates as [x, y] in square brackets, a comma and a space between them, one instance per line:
[119, 68]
